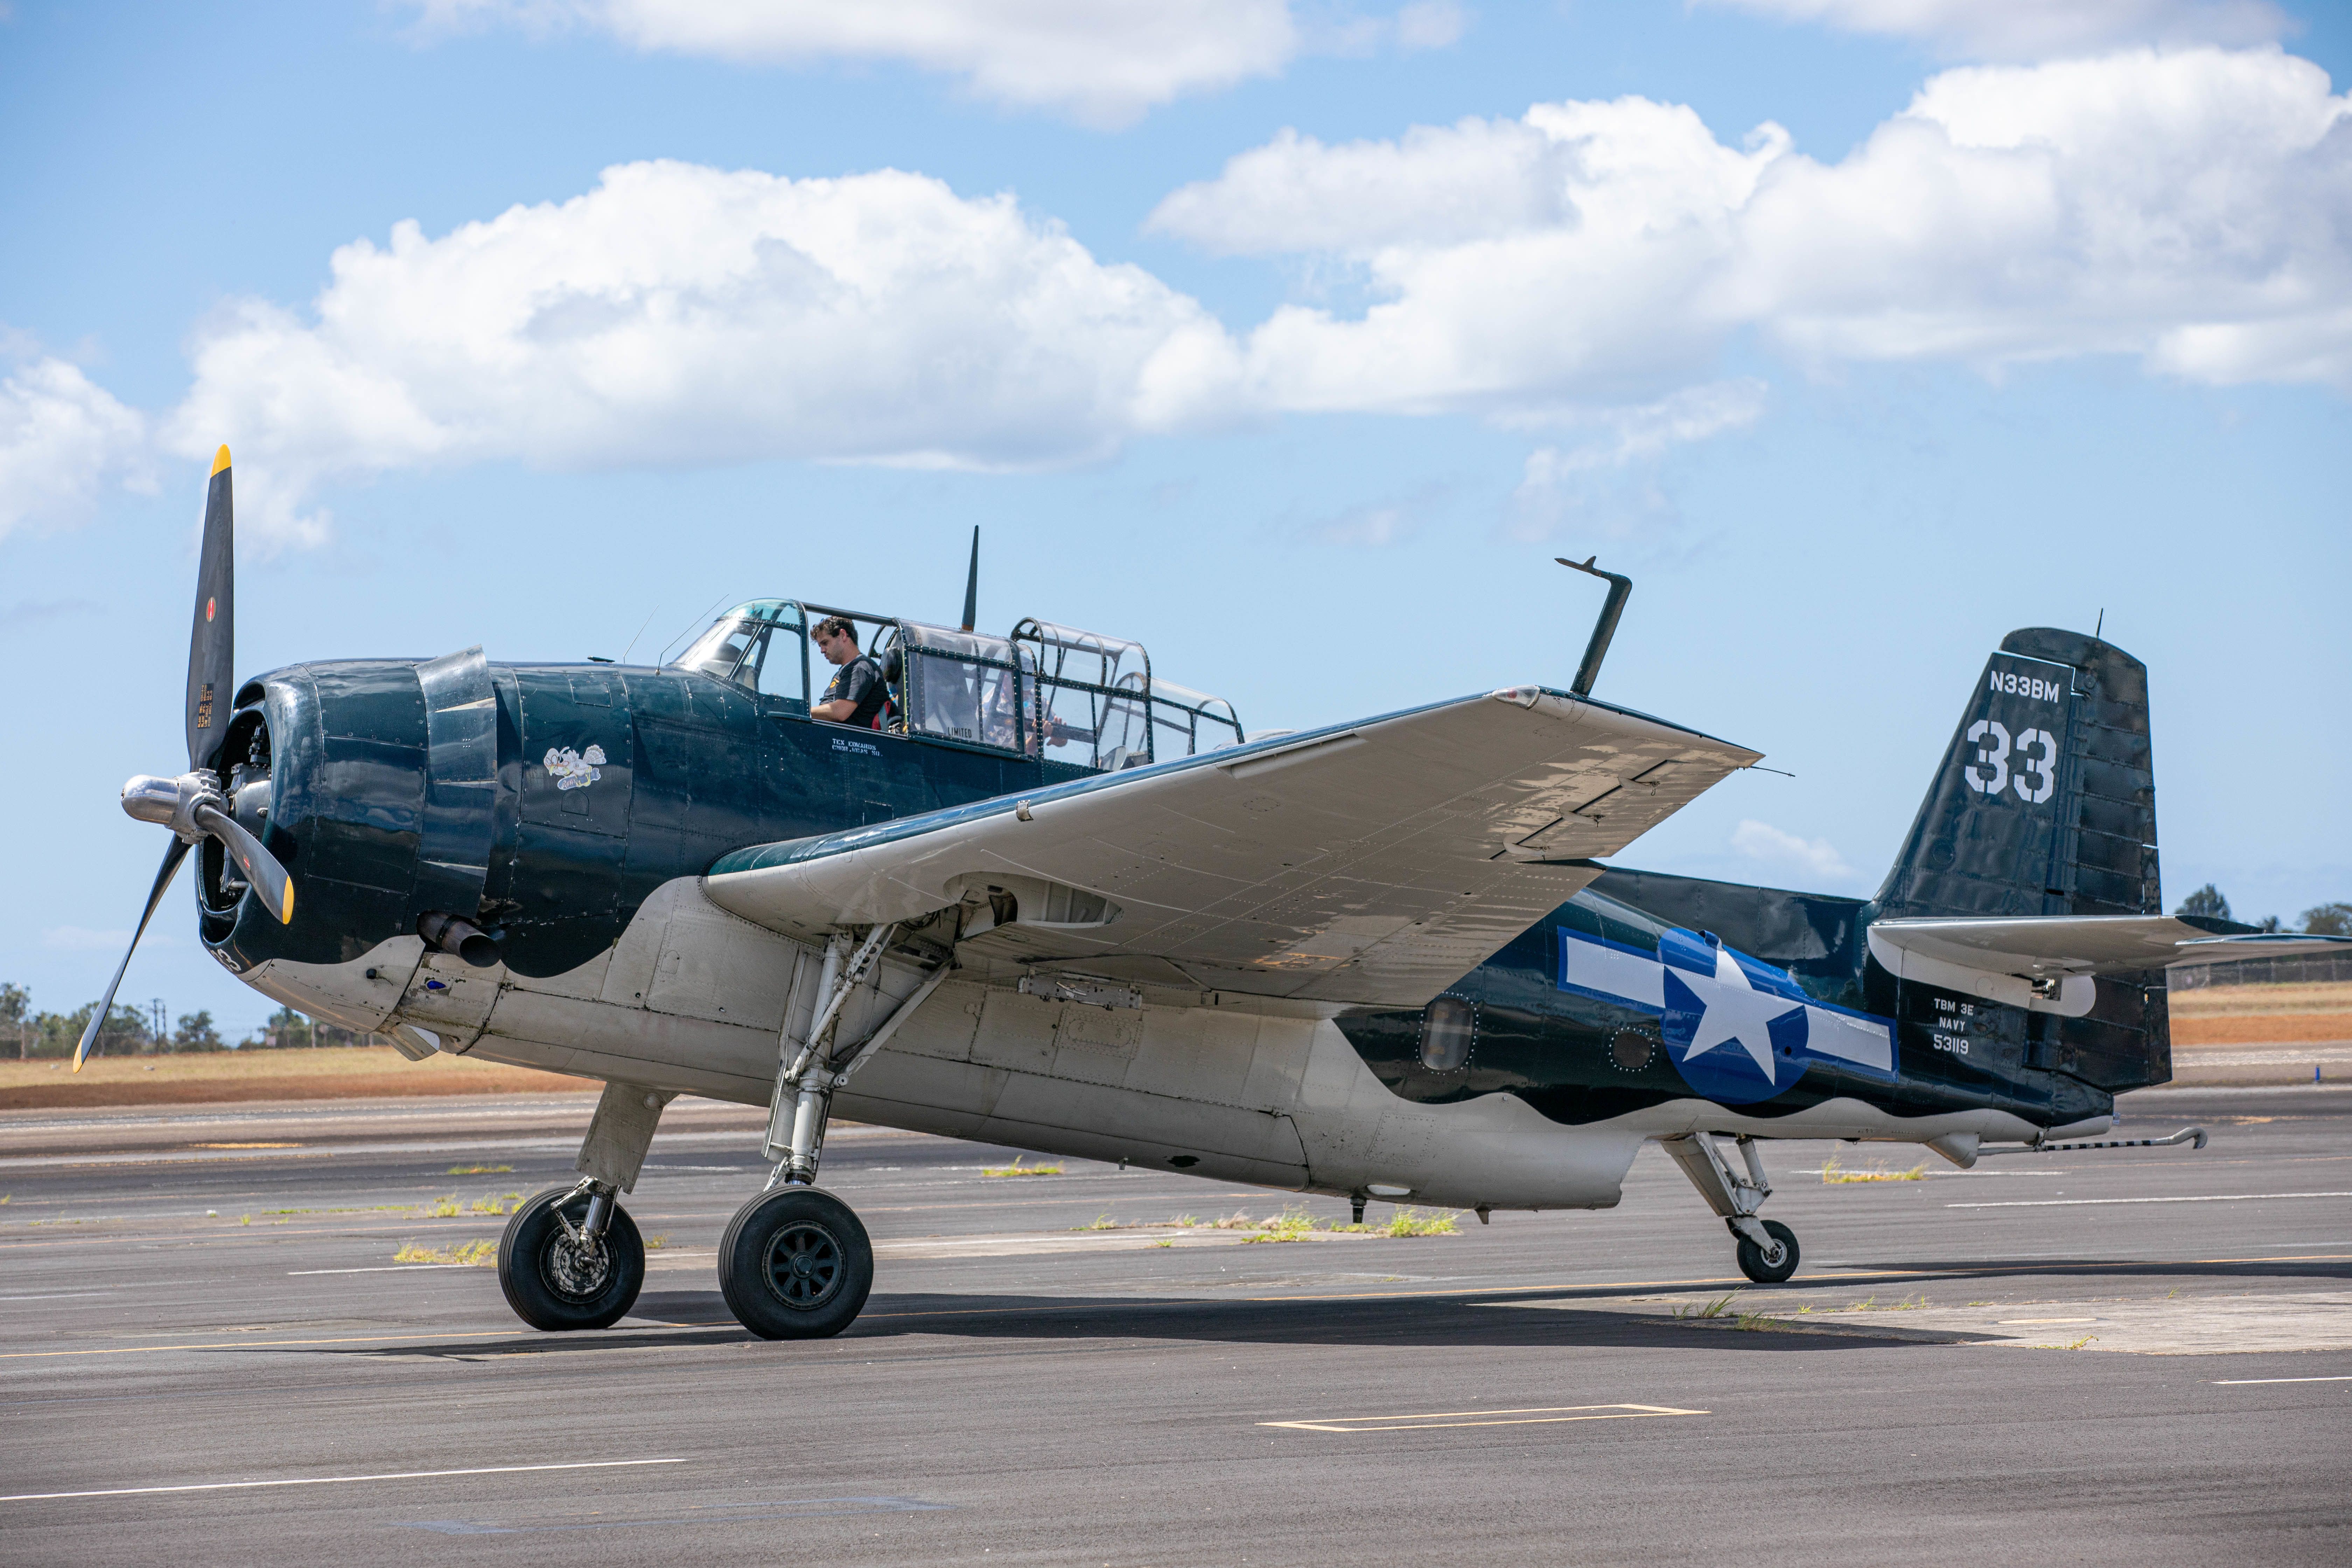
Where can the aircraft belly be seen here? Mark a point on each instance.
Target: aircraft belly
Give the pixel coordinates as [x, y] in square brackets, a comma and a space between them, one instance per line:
[632, 1045]
[360, 995]
[1496, 1150]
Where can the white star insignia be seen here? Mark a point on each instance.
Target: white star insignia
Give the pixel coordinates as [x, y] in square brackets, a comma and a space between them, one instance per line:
[1736, 1013]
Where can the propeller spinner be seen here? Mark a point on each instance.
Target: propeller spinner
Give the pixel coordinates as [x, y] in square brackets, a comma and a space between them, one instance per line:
[194, 805]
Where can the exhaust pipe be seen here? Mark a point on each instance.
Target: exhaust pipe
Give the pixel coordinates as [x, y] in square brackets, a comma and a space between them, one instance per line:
[463, 938]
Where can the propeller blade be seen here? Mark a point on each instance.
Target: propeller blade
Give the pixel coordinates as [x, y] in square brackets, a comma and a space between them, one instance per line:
[172, 858]
[261, 867]
[212, 644]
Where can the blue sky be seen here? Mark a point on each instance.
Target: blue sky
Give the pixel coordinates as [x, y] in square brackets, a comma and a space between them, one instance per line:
[1290, 340]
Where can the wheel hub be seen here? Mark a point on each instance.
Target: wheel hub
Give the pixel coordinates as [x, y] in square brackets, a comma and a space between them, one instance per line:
[805, 1266]
[577, 1271]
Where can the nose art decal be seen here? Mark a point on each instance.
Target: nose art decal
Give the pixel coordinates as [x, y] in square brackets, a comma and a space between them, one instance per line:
[575, 770]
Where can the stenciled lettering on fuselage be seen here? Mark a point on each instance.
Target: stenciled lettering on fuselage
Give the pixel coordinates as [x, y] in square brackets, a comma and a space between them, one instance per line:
[1738, 1030]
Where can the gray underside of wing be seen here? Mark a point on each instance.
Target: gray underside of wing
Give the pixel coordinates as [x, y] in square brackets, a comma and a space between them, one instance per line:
[2088, 944]
[1375, 864]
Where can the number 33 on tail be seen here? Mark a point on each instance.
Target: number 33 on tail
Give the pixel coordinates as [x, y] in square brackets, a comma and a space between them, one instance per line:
[1988, 772]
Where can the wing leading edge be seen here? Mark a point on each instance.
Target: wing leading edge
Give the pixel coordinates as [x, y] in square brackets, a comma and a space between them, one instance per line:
[1373, 863]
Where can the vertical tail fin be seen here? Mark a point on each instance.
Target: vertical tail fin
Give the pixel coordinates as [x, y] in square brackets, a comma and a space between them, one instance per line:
[2045, 803]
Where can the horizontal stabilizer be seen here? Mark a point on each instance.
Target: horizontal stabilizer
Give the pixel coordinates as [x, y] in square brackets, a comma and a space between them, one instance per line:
[1373, 863]
[2041, 946]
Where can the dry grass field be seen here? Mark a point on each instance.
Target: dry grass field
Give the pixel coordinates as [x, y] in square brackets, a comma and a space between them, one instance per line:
[347, 1072]
[2262, 1014]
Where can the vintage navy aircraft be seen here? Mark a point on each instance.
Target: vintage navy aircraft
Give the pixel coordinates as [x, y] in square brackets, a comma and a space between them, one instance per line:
[1059, 902]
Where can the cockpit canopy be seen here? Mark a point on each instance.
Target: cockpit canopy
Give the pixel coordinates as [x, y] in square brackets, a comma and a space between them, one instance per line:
[1050, 691]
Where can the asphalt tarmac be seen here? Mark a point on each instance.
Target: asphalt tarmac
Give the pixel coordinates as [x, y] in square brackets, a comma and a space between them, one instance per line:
[208, 1354]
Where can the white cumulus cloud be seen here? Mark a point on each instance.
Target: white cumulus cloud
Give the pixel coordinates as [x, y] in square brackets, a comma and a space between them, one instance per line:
[1580, 270]
[64, 442]
[1810, 856]
[1101, 61]
[677, 314]
[2035, 29]
[2192, 209]
[1606, 479]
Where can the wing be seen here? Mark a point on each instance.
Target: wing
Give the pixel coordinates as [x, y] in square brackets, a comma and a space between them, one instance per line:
[2088, 945]
[1372, 863]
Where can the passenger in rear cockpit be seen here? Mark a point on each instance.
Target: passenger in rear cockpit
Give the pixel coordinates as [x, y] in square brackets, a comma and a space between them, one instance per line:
[855, 694]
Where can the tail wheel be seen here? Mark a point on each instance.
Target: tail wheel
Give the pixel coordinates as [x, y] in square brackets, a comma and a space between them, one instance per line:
[556, 1282]
[1765, 1267]
[796, 1264]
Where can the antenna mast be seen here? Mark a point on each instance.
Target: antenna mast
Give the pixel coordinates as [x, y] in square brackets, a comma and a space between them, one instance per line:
[971, 583]
[1604, 628]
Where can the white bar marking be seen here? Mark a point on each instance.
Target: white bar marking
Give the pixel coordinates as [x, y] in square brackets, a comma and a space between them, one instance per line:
[2076, 1203]
[334, 1480]
[1629, 976]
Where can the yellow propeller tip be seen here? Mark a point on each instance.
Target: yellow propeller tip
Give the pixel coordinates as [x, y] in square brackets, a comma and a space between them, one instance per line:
[286, 915]
[220, 459]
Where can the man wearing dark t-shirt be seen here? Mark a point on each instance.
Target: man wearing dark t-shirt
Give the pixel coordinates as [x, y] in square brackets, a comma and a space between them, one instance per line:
[855, 693]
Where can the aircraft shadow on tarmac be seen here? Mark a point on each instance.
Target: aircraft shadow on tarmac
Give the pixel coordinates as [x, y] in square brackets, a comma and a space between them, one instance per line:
[700, 1316]
[1008, 1320]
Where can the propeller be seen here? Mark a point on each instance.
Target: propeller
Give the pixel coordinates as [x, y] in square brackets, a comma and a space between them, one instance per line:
[194, 806]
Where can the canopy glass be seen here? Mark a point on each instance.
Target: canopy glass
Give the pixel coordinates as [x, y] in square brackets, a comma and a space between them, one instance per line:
[1048, 690]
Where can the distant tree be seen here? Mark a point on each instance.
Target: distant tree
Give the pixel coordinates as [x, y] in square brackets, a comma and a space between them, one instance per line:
[288, 1030]
[125, 1031]
[2329, 920]
[197, 1033]
[2267, 923]
[15, 1025]
[2206, 900]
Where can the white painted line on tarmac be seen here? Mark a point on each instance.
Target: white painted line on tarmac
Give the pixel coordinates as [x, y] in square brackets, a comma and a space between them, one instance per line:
[338, 1481]
[2243, 1382]
[2078, 1202]
[1540, 1416]
[379, 1268]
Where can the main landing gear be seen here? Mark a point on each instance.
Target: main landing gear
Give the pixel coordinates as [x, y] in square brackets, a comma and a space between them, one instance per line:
[1766, 1248]
[795, 1263]
[572, 1256]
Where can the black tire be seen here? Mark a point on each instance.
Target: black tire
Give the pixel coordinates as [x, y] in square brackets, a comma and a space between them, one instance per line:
[546, 1281]
[795, 1264]
[1752, 1262]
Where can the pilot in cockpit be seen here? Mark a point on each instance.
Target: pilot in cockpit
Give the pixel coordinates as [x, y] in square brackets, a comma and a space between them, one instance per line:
[855, 694]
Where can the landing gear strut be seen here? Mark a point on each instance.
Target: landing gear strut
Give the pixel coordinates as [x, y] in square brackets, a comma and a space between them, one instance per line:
[796, 1264]
[1766, 1248]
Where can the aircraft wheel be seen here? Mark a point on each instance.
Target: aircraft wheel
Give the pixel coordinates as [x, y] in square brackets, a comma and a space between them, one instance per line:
[795, 1264]
[1764, 1270]
[555, 1285]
